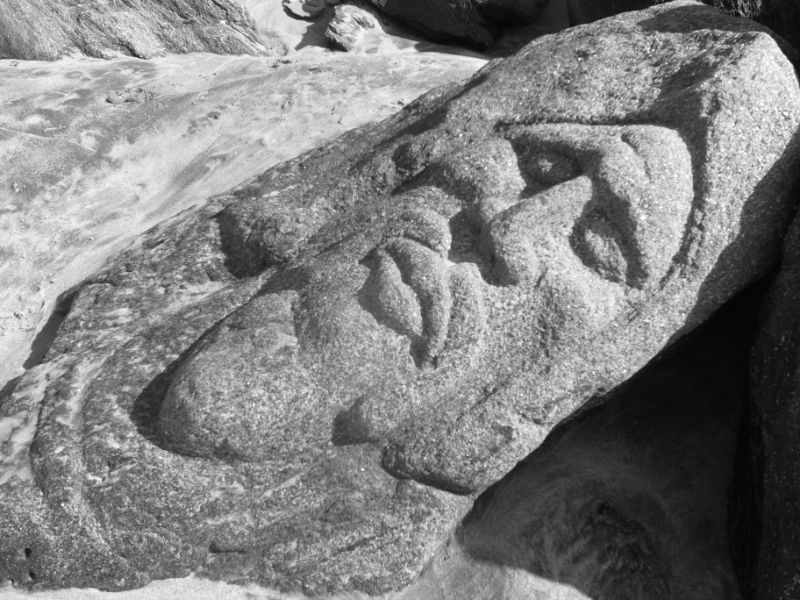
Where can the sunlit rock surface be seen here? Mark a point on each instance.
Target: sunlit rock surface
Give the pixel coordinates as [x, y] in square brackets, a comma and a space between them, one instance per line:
[304, 381]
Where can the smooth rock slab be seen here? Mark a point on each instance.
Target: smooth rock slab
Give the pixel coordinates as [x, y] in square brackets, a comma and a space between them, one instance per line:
[304, 382]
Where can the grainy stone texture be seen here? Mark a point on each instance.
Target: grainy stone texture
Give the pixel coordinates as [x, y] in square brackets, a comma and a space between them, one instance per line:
[46, 29]
[349, 24]
[775, 443]
[629, 499]
[304, 382]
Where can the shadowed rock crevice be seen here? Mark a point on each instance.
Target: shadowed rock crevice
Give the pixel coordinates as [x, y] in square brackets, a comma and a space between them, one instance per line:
[49, 330]
[631, 499]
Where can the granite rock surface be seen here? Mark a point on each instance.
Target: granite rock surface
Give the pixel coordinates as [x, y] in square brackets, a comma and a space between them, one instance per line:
[45, 30]
[629, 498]
[306, 381]
[350, 23]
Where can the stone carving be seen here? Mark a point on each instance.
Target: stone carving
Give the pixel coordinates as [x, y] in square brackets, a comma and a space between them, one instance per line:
[571, 223]
[303, 382]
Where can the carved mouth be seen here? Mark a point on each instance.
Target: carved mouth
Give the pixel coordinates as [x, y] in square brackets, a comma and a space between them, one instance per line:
[425, 273]
[414, 289]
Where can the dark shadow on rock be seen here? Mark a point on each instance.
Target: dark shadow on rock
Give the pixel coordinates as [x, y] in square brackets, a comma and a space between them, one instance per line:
[147, 405]
[9, 388]
[631, 498]
[43, 340]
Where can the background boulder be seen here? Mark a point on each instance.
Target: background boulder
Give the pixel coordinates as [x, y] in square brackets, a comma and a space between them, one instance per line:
[45, 30]
[442, 20]
[773, 487]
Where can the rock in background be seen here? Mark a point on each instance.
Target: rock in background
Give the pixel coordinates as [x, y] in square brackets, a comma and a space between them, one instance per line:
[350, 23]
[774, 490]
[46, 30]
[442, 20]
[512, 23]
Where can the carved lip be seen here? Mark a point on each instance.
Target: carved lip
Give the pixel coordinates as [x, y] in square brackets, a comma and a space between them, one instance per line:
[412, 277]
[426, 274]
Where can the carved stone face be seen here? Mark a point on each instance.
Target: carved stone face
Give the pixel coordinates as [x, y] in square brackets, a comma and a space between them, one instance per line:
[302, 382]
[487, 257]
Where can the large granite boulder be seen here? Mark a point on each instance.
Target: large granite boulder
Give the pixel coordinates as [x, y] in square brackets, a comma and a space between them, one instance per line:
[45, 30]
[306, 381]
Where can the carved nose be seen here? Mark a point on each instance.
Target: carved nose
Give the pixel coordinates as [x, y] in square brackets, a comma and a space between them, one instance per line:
[523, 237]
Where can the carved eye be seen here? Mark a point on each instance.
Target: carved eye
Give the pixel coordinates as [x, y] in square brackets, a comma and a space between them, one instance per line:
[549, 168]
[598, 241]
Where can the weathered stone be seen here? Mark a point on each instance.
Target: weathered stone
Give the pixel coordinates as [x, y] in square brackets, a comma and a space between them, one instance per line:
[629, 499]
[349, 23]
[45, 30]
[304, 382]
[775, 435]
[442, 20]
